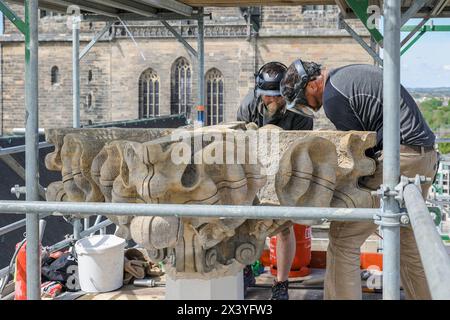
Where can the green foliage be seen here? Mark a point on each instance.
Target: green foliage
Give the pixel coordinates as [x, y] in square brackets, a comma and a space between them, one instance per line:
[436, 114]
[444, 148]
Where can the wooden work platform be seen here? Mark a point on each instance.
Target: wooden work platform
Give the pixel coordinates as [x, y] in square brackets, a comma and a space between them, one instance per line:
[306, 288]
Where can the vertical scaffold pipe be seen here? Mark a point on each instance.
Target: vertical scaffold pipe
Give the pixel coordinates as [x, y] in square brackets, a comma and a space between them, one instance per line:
[201, 68]
[32, 149]
[76, 69]
[391, 149]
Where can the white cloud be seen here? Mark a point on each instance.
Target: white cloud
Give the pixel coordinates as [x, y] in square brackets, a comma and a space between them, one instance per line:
[446, 67]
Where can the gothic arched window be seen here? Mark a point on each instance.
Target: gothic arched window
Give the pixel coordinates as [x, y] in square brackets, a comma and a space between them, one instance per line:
[214, 97]
[148, 94]
[55, 75]
[181, 86]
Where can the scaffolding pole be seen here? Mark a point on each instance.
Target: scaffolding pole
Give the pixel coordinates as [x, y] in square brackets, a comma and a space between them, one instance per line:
[435, 259]
[21, 148]
[17, 225]
[96, 38]
[180, 38]
[194, 210]
[33, 268]
[369, 49]
[77, 226]
[201, 68]
[76, 69]
[390, 223]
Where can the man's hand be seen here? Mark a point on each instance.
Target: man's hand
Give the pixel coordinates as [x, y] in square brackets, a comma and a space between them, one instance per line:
[275, 107]
[272, 108]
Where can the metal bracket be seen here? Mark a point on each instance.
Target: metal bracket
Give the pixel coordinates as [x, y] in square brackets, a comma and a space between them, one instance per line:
[418, 180]
[378, 219]
[18, 190]
[398, 194]
[384, 192]
[404, 220]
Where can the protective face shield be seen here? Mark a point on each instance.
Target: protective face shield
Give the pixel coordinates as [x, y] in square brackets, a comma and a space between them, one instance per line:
[297, 102]
[303, 110]
[269, 84]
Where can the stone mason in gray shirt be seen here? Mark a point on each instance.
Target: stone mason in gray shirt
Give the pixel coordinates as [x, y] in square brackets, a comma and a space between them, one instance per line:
[353, 100]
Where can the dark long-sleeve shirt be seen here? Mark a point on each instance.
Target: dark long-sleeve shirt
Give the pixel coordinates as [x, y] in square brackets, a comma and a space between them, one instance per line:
[252, 109]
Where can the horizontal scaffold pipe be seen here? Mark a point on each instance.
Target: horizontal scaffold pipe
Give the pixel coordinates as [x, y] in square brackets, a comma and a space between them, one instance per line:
[16, 225]
[65, 243]
[194, 210]
[433, 254]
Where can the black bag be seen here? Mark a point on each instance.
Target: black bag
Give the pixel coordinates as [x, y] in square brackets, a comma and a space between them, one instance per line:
[63, 269]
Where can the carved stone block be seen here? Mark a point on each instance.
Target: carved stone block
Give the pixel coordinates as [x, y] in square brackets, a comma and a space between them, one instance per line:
[231, 164]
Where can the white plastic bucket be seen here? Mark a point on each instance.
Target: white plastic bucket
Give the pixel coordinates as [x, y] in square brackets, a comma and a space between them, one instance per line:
[100, 263]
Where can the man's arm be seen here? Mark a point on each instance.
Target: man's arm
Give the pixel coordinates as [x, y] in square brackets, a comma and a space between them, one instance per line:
[244, 112]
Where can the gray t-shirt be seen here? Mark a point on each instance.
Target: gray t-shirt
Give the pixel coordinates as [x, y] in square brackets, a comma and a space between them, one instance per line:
[353, 100]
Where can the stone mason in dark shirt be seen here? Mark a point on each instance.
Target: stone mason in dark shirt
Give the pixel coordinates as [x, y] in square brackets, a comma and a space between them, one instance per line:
[252, 109]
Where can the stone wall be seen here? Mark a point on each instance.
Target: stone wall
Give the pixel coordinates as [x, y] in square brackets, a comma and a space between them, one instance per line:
[233, 58]
[282, 19]
[55, 100]
[116, 63]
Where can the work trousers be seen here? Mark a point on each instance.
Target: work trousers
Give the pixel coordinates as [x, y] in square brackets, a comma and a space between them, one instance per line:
[342, 278]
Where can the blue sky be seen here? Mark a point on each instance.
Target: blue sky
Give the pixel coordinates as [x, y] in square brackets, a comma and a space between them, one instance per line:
[427, 63]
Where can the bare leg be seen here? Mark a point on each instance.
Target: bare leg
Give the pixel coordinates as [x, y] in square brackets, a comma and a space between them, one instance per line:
[285, 253]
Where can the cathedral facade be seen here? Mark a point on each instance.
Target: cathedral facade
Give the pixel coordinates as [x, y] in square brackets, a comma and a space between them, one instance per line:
[140, 70]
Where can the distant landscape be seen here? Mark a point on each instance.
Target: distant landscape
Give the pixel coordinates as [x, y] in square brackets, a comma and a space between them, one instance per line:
[435, 106]
[418, 93]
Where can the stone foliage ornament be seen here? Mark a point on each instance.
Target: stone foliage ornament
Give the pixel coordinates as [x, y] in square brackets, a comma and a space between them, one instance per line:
[231, 164]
